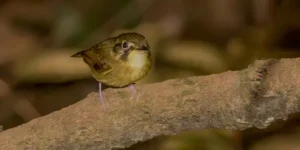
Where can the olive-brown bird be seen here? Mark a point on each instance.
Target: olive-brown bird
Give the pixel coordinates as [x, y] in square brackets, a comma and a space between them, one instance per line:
[118, 61]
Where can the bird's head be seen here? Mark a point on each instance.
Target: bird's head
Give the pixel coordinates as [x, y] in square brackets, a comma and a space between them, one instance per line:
[129, 46]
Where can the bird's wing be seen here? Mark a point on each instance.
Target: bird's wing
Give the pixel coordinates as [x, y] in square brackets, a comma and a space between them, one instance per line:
[96, 62]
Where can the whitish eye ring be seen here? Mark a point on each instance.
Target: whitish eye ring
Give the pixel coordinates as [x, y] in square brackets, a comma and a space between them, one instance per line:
[126, 45]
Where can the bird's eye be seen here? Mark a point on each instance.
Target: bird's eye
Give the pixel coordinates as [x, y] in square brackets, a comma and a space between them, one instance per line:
[125, 45]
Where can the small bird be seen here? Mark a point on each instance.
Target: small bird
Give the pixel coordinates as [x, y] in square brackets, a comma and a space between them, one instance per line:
[118, 61]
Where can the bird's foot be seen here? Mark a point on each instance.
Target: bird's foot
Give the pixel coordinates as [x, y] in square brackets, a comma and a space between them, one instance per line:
[104, 103]
[134, 93]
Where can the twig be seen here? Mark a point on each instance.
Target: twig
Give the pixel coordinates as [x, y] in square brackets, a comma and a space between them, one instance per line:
[255, 97]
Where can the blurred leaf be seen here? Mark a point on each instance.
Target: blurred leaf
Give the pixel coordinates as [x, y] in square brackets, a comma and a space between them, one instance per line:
[53, 66]
[14, 44]
[201, 140]
[195, 55]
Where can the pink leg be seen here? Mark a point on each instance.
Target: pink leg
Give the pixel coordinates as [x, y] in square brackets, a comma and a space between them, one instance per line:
[134, 92]
[101, 97]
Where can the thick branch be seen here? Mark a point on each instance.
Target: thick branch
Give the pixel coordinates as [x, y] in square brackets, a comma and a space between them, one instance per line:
[231, 100]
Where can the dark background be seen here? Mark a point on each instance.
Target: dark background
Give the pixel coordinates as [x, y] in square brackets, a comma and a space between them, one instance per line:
[188, 38]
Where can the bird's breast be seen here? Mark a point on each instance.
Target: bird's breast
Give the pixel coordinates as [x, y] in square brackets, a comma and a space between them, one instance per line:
[137, 60]
[139, 63]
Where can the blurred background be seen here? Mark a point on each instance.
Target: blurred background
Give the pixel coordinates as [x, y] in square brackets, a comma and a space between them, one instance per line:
[188, 38]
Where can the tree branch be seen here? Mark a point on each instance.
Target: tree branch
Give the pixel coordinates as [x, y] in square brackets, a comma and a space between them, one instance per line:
[255, 97]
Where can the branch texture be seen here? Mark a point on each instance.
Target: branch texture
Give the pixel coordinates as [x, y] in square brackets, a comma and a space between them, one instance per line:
[266, 91]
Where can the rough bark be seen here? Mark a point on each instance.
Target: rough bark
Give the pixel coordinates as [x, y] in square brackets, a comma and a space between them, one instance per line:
[266, 91]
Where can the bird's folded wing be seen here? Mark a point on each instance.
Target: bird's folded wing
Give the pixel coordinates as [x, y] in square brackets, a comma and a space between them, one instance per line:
[97, 63]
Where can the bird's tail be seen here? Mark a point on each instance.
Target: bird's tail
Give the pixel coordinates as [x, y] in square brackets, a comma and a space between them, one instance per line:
[88, 57]
[79, 54]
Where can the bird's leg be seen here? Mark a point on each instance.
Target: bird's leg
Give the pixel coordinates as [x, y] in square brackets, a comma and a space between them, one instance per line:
[134, 92]
[101, 97]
